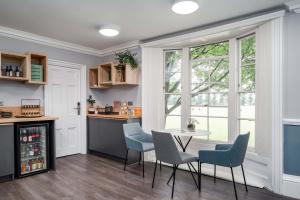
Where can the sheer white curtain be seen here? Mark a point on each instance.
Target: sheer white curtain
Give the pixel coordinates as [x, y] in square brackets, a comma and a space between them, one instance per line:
[152, 91]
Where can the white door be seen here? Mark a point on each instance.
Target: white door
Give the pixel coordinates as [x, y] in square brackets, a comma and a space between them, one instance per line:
[63, 96]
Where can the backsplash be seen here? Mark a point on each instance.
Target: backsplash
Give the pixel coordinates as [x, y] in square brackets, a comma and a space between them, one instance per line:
[11, 92]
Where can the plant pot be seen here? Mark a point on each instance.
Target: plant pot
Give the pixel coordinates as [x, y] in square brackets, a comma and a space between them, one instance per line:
[91, 110]
[120, 73]
[191, 127]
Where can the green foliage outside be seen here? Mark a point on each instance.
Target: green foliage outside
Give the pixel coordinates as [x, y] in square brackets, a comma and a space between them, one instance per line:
[210, 74]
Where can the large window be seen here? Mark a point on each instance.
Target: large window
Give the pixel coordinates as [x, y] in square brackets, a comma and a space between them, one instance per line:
[209, 88]
[246, 93]
[214, 84]
[172, 88]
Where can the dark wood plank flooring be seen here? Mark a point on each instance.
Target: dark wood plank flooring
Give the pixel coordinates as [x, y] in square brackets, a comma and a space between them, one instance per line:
[89, 177]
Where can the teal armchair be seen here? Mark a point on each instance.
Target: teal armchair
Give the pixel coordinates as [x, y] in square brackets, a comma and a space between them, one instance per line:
[226, 155]
[136, 139]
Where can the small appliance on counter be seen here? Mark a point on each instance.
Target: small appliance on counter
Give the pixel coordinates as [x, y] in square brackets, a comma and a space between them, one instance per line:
[108, 109]
[30, 108]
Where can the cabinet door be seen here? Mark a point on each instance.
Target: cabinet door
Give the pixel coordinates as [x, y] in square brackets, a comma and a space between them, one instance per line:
[6, 149]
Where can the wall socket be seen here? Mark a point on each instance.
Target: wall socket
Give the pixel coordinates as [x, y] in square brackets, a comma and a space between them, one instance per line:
[1, 103]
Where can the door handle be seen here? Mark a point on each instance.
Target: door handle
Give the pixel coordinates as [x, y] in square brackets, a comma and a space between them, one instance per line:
[78, 108]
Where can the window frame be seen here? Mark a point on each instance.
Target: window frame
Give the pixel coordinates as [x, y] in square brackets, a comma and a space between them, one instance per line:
[233, 88]
[164, 81]
[209, 117]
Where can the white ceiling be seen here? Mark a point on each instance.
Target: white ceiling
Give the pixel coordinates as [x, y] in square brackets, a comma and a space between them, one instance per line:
[77, 21]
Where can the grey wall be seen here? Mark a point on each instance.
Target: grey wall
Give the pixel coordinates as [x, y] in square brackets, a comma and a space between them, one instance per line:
[12, 92]
[291, 66]
[121, 93]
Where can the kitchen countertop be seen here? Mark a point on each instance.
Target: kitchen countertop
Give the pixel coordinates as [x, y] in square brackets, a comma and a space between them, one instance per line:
[14, 119]
[115, 117]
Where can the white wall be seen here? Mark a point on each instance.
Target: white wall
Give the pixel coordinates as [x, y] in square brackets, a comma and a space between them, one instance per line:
[291, 66]
[291, 95]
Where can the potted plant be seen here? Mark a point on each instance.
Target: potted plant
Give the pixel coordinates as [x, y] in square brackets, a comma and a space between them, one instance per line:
[191, 125]
[126, 57]
[91, 101]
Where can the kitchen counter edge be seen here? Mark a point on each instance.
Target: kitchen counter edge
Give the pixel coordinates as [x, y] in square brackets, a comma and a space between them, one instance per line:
[16, 120]
[114, 117]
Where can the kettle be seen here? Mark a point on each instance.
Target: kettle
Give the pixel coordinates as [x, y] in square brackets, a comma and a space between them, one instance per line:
[108, 109]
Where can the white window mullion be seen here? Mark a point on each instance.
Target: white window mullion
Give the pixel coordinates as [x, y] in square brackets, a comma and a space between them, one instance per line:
[185, 106]
[233, 88]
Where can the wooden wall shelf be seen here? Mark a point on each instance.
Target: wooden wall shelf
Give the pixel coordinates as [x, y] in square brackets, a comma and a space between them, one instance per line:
[24, 63]
[39, 60]
[108, 75]
[14, 61]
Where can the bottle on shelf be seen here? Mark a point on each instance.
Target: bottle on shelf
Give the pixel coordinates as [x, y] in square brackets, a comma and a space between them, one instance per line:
[31, 151]
[24, 133]
[17, 71]
[11, 71]
[24, 167]
[30, 136]
[3, 70]
[7, 71]
[33, 164]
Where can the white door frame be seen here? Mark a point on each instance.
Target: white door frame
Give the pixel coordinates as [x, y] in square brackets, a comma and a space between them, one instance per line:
[82, 68]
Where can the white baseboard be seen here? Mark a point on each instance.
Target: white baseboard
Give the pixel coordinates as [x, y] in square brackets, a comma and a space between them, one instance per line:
[290, 186]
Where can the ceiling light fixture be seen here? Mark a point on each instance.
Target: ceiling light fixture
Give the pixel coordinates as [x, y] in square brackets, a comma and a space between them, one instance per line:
[184, 7]
[109, 30]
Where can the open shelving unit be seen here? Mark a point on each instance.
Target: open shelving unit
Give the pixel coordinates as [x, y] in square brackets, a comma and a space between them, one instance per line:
[131, 76]
[14, 60]
[38, 59]
[94, 80]
[106, 76]
[24, 62]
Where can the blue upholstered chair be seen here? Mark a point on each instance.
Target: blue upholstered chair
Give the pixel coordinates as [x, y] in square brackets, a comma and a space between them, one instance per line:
[166, 151]
[226, 155]
[136, 139]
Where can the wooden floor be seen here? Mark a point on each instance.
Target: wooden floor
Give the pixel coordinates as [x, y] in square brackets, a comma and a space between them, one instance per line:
[88, 177]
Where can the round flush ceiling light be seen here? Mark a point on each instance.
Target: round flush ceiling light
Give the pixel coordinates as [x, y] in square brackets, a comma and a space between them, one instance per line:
[109, 30]
[184, 7]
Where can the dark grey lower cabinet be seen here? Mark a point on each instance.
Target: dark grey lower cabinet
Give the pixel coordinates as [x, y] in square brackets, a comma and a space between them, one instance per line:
[106, 136]
[7, 166]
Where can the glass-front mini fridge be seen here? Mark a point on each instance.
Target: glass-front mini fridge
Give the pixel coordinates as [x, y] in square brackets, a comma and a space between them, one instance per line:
[32, 149]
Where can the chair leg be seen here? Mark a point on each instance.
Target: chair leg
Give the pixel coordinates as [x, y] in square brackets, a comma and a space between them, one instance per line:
[170, 177]
[199, 176]
[233, 181]
[244, 178]
[143, 165]
[215, 166]
[140, 158]
[154, 174]
[174, 173]
[160, 165]
[126, 160]
[188, 164]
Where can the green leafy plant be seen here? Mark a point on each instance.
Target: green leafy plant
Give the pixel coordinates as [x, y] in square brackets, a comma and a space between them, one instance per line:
[126, 57]
[91, 101]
